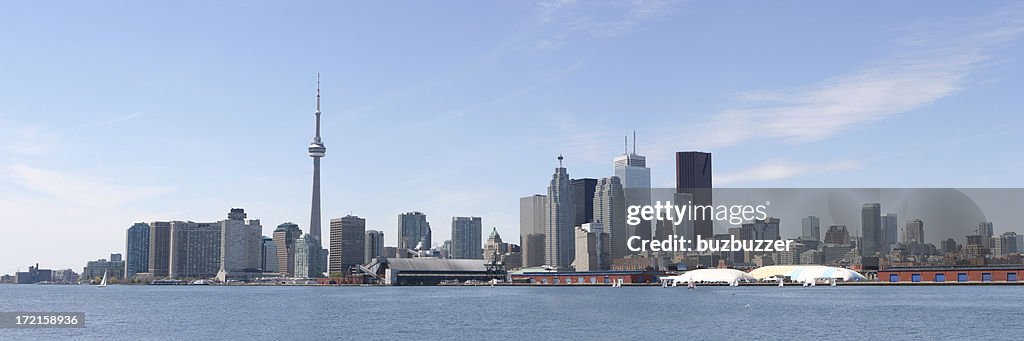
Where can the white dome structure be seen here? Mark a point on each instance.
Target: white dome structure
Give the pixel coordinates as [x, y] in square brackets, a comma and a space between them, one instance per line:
[731, 276]
[806, 273]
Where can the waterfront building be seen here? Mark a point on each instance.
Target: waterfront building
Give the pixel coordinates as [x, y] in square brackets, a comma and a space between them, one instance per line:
[159, 248]
[64, 276]
[195, 250]
[33, 275]
[241, 246]
[113, 267]
[136, 250]
[592, 248]
[348, 243]
[466, 238]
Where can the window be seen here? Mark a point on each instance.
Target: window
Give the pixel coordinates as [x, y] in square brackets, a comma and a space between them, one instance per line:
[915, 277]
[894, 278]
[961, 277]
[1011, 277]
[556, 280]
[986, 277]
[607, 280]
[940, 277]
[580, 280]
[544, 281]
[593, 280]
[568, 280]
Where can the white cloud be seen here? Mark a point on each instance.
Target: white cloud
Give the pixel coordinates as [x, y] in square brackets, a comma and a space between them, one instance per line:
[77, 190]
[932, 65]
[567, 19]
[772, 171]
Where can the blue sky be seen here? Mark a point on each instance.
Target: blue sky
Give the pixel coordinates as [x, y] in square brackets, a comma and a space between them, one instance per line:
[121, 112]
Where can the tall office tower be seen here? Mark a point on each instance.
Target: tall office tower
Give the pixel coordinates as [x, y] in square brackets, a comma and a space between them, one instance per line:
[914, 231]
[592, 245]
[268, 262]
[308, 258]
[136, 250]
[558, 241]
[773, 231]
[871, 228]
[890, 228]
[467, 236]
[413, 231]
[533, 222]
[610, 211]
[583, 199]
[284, 240]
[1008, 243]
[811, 227]
[986, 232]
[195, 249]
[837, 234]
[159, 248]
[693, 176]
[240, 246]
[317, 150]
[631, 168]
[348, 244]
[373, 246]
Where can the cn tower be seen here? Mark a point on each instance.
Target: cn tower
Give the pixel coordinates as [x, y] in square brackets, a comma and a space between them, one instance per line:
[316, 151]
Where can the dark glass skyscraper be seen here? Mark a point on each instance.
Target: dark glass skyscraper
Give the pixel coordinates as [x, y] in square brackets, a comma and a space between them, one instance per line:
[137, 250]
[693, 176]
[583, 200]
[871, 228]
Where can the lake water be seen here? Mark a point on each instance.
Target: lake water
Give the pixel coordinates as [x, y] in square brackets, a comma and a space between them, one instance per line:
[477, 313]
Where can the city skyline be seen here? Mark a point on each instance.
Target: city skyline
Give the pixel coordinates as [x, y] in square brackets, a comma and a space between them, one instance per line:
[140, 144]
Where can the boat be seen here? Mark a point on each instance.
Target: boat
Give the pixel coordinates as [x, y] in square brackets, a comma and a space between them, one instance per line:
[103, 283]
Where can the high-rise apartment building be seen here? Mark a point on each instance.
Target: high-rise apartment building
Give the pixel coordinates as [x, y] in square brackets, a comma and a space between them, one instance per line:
[373, 245]
[413, 233]
[159, 248]
[240, 246]
[533, 222]
[136, 250]
[195, 249]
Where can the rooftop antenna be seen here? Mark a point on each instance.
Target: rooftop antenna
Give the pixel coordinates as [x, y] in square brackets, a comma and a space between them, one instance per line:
[625, 148]
[634, 141]
[560, 160]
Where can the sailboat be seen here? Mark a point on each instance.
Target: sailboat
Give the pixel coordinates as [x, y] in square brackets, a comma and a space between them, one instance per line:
[103, 283]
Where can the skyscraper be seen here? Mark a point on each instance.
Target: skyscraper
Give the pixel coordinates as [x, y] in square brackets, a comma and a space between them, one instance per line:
[871, 228]
[631, 168]
[317, 150]
[467, 237]
[159, 248]
[890, 228]
[610, 211]
[533, 222]
[693, 176]
[348, 243]
[136, 250]
[308, 257]
[914, 232]
[284, 240]
[240, 246]
[583, 199]
[986, 232]
[373, 246]
[591, 248]
[559, 244]
[268, 261]
[811, 227]
[413, 231]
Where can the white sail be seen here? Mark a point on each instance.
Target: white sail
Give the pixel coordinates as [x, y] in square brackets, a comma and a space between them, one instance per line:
[103, 283]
